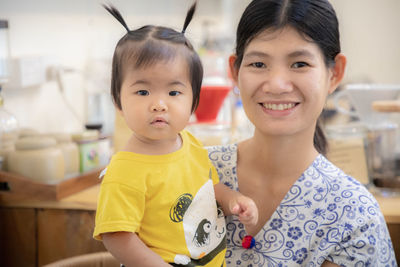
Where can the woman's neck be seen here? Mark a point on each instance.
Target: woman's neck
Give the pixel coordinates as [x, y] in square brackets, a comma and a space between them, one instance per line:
[279, 156]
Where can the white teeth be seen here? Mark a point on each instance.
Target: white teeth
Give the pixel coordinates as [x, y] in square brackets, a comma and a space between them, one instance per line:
[278, 106]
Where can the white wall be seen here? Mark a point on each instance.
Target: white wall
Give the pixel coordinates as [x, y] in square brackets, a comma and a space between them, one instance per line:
[370, 33]
[71, 31]
[81, 35]
[370, 38]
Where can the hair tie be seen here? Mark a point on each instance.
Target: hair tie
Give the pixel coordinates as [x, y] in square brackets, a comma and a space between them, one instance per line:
[189, 16]
[248, 242]
[113, 11]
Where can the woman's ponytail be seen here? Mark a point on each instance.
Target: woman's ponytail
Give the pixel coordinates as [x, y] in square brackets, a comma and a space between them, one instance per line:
[320, 141]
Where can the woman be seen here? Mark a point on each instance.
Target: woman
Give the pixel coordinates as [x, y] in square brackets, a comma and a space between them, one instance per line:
[286, 63]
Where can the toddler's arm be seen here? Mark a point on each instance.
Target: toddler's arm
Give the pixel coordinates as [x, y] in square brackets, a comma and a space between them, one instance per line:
[128, 249]
[233, 202]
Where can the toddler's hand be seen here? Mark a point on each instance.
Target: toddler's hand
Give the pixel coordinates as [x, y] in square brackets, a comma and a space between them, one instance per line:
[246, 209]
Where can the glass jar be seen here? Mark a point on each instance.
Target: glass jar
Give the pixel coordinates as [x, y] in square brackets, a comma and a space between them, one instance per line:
[347, 147]
[382, 152]
[89, 154]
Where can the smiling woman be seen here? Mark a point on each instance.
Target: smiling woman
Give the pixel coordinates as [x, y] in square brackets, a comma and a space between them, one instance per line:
[287, 61]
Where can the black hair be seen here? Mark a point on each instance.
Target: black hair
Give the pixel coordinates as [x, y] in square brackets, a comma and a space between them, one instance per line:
[316, 20]
[150, 44]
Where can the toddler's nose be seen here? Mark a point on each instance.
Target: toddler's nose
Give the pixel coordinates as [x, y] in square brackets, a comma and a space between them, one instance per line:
[159, 106]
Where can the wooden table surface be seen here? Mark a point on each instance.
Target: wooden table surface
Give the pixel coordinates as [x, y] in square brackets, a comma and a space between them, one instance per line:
[390, 207]
[83, 200]
[87, 199]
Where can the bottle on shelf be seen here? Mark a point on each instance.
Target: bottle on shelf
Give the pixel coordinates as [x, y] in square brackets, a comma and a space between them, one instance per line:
[8, 133]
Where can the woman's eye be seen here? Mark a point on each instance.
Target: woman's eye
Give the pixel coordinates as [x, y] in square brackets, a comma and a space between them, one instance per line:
[299, 65]
[258, 65]
[174, 93]
[142, 92]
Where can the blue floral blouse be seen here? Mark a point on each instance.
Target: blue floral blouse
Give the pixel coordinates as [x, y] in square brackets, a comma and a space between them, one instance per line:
[326, 215]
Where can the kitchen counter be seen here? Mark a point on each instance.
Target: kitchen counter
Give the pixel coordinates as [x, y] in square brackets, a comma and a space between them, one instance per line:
[390, 207]
[45, 231]
[83, 200]
[87, 200]
[79, 210]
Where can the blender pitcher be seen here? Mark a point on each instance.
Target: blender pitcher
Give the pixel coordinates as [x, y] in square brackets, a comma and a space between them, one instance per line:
[361, 96]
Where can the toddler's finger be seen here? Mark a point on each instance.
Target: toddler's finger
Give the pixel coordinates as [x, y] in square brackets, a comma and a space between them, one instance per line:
[236, 209]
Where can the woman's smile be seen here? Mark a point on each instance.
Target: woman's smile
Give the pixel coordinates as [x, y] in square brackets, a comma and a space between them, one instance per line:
[278, 106]
[279, 109]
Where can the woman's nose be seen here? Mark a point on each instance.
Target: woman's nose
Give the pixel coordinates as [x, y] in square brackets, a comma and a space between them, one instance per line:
[159, 106]
[278, 82]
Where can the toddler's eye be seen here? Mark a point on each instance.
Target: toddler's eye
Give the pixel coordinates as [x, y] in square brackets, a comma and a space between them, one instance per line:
[258, 65]
[299, 65]
[174, 93]
[143, 92]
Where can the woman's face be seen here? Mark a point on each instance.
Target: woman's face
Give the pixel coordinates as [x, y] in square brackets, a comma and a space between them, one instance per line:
[284, 81]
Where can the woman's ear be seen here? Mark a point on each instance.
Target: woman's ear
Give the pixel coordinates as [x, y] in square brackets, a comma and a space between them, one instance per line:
[234, 71]
[337, 72]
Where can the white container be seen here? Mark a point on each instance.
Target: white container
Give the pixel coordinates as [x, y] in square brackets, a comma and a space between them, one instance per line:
[70, 153]
[37, 158]
[27, 132]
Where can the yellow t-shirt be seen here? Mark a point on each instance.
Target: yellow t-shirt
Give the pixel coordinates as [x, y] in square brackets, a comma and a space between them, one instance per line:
[168, 200]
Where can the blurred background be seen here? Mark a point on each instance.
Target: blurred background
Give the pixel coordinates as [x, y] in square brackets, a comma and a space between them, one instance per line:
[60, 51]
[58, 126]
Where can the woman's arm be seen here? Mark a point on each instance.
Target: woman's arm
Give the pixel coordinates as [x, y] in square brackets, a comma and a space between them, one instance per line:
[128, 249]
[233, 202]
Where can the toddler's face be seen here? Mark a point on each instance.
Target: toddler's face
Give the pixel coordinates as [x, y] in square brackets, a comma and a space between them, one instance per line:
[156, 100]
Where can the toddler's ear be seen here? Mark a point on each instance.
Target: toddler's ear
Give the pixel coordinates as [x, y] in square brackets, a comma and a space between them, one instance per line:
[233, 69]
[119, 110]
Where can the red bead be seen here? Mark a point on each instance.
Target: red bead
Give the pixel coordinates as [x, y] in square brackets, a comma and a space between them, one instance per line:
[248, 242]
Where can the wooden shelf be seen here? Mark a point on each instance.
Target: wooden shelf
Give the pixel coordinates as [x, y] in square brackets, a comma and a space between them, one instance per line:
[14, 187]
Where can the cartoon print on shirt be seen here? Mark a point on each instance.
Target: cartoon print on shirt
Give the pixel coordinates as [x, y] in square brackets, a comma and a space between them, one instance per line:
[201, 237]
[203, 225]
[180, 206]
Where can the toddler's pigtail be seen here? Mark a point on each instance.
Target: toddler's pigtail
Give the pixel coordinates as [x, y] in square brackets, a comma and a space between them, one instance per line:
[113, 11]
[189, 16]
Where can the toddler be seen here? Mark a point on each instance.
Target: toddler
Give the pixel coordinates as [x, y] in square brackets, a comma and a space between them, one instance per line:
[157, 203]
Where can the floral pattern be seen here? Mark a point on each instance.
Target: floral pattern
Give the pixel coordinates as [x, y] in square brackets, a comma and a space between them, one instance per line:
[326, 215]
